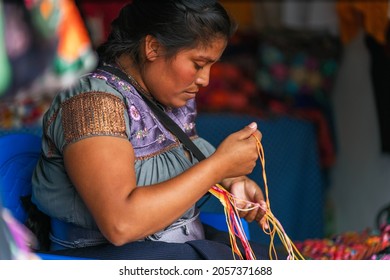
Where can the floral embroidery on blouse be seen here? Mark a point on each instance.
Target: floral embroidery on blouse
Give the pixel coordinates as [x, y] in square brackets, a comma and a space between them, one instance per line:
[189, 126]
[141, 133]
[124, 86]
[135, 115]
[161, 138]
[98, 76]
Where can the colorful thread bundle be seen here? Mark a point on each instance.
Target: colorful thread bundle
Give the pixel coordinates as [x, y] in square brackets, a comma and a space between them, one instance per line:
[233, 222]
[271, 226]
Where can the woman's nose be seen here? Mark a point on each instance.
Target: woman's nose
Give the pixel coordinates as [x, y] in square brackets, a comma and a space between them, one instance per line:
[203, 77]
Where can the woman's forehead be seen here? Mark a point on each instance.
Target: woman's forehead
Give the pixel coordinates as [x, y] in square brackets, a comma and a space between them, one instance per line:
[210, 51]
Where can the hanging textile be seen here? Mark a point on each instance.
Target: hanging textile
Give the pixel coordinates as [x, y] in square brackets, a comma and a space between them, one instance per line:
[45, 47]
[369, 16]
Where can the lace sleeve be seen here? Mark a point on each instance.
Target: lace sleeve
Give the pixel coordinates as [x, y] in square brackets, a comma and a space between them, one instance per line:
[91, 114]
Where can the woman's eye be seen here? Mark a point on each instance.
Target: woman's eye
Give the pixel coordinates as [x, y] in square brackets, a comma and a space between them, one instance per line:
[198, 67]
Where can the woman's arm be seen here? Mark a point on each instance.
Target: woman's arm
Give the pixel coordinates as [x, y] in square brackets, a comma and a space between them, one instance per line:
[102, 170]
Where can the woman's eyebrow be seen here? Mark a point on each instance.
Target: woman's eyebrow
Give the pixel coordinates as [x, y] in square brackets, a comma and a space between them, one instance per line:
[207, 58]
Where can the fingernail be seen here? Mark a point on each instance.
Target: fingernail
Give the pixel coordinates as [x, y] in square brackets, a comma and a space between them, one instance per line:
[253, 125]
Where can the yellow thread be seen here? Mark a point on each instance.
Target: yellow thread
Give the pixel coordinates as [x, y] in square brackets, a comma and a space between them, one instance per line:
[271, 226]
[276, 227]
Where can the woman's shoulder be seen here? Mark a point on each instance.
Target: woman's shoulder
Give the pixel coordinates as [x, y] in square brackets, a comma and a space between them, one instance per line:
[89, 107]
[89, 84]
[86, 94]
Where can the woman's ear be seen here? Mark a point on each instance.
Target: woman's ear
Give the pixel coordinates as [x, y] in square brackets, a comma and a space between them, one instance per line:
[152, 47]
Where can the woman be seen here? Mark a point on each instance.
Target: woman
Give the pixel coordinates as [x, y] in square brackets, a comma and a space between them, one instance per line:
[111, 173]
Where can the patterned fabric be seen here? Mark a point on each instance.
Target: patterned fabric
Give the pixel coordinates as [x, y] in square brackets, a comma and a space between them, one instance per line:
[49, 37]
[368, 244]
[93, 114]
[46, 47]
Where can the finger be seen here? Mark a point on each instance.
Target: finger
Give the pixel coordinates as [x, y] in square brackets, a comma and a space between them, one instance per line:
[251, 214]
[258, 135]
[247, 211]
[260, 213]
[243, 214]
[263, 223]
[242, 210]
[247, 131]
[259, 198]
[262, 219]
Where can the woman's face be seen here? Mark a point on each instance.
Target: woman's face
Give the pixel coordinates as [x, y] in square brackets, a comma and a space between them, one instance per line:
[175, 81]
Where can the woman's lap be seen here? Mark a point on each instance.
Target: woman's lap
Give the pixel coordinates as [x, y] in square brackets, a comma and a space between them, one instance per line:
[216, 246]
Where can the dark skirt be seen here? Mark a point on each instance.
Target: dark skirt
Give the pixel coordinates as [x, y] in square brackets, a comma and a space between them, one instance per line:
[216, 246]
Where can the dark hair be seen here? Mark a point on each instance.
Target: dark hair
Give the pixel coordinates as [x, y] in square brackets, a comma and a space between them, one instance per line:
[176, 24]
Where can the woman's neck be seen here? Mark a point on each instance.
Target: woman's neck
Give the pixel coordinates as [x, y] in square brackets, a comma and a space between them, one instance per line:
[125, 63]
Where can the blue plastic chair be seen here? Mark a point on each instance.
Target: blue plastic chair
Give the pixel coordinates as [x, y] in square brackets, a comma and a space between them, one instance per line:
[19, 153]
[218, 221]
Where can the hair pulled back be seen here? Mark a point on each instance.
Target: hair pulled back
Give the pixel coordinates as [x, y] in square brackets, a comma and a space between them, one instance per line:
[176, 24]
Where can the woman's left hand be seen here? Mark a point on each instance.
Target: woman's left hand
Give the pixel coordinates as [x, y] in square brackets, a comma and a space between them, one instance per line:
[251, 195]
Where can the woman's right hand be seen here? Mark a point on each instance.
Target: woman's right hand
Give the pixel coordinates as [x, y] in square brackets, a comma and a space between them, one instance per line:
[238, 152]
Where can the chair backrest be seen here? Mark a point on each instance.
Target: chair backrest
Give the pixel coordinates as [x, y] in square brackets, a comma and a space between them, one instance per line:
[19, 153]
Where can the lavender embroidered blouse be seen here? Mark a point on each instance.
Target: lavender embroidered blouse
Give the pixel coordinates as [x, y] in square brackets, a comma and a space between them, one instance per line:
[102, 104]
